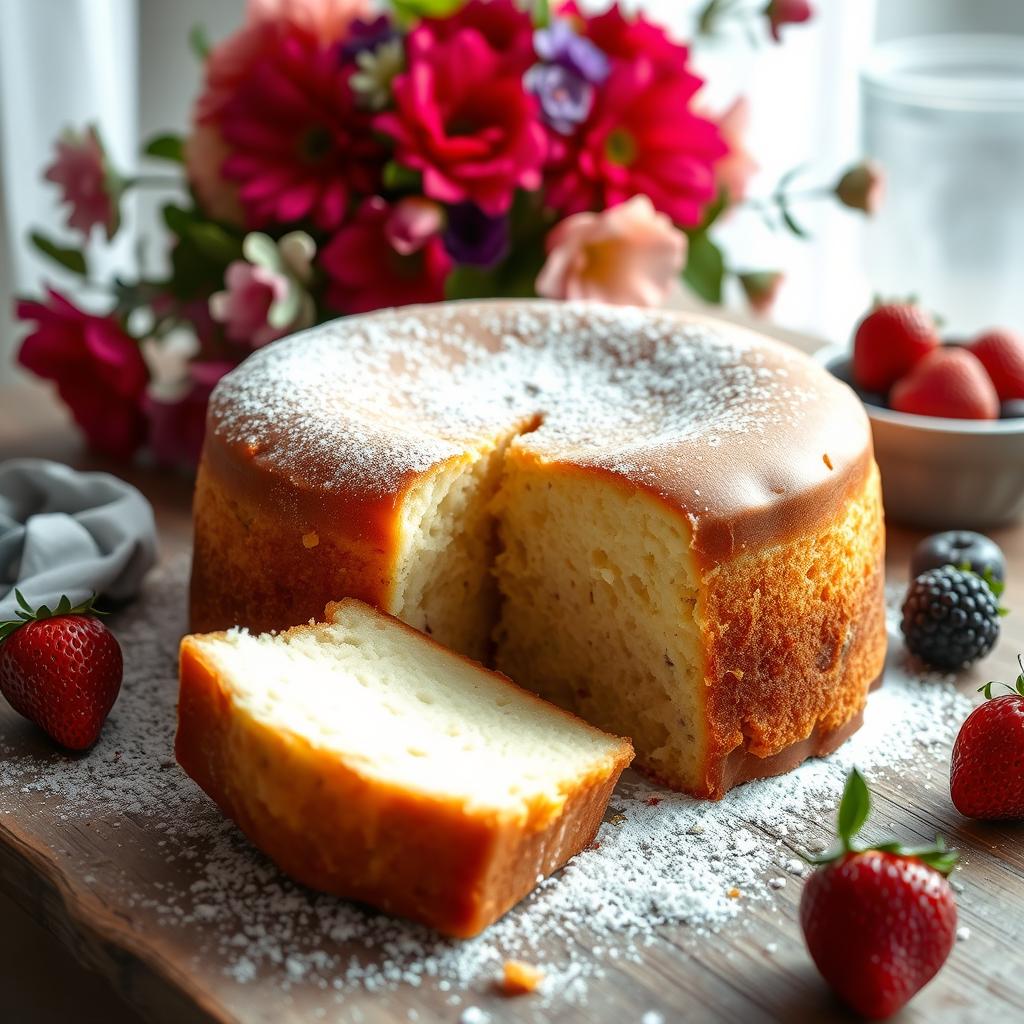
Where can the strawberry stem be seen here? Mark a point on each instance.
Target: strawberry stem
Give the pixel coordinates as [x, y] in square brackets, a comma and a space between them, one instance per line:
[854, 811]
[26, 613]
[1016, 689]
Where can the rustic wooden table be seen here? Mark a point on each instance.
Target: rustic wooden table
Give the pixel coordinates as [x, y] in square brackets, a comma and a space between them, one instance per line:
[726, 976]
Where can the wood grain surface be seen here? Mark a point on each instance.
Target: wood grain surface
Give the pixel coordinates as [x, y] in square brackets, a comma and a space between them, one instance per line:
[170, 977]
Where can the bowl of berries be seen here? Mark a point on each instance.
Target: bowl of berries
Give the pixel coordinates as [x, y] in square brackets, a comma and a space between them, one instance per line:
[947, 416]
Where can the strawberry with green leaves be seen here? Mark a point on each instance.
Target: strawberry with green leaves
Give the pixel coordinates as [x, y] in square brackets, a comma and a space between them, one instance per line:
[61, 669]
[986, 775]
[879, 921]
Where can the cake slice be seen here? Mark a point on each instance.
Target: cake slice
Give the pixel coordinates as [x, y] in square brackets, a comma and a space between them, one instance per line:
[370, 762]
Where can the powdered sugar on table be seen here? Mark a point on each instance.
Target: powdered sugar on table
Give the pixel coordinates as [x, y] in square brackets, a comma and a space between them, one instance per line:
[663, 866]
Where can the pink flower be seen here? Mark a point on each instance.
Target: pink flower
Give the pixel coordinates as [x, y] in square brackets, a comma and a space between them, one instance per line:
[205, 153]
[762, 289]
[507, 29]
[642, 137]
[465, 121]
[327, 20]
[862, 187]
[278, 133]
[91, 190]
[98, 369]
[630, 254]
[365, 272]
[177, 424]
[265, 297]
[413, 222]
[737, 167]
[786, 12]
[244, 305]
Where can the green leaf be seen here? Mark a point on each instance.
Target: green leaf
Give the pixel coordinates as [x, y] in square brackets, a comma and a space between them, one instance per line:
[705, 268]
[177, 220]
[410, 10]
[166, 147]
[201, 255]
[214, 242]
[789, 221]
[470, 283]
[398, 178]
[789, 177]
[939, 856]
[198, 42]
[854, 807]
[541, 13]
[69, 258]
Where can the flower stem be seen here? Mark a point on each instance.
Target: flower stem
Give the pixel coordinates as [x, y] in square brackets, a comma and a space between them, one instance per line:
[155, 181]
[772, 201]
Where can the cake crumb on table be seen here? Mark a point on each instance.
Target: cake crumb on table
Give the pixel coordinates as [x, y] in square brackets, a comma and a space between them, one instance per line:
[520, 978]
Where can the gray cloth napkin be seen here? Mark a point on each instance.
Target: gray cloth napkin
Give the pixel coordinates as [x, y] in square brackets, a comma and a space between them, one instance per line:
[65, 532]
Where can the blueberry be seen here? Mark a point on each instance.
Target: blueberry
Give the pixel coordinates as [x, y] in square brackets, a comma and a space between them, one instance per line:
[959, 547]
[1012, 410]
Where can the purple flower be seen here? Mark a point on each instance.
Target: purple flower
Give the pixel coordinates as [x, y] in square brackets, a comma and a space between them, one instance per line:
[565, 98]
[474, 237]
[368, 35]
[559, 44]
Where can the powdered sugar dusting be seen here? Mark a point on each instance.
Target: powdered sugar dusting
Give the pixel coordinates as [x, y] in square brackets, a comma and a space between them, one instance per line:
[362, 403]
[664, 866]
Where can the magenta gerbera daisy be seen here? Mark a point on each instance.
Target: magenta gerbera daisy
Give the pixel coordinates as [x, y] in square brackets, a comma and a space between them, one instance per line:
[642, 136]
[298, 145]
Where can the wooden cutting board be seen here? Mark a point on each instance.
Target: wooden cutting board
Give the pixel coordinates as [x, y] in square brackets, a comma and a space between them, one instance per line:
[126, 893]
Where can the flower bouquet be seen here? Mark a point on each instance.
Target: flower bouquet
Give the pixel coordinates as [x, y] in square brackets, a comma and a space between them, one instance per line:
[341, 160]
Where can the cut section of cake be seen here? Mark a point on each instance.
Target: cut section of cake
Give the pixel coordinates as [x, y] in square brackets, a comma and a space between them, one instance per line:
[368, 761]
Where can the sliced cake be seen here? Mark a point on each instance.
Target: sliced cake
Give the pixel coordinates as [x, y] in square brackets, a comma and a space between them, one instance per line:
[370, 762]
[668, 525]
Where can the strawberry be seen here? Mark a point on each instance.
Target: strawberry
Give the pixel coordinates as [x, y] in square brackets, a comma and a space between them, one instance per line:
[879, 922]
[1001, 352]
[986, 775]
[948, 382]
[889, 342]
[61, 669]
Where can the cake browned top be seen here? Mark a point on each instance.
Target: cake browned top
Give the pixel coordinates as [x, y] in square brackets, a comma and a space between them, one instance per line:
[745, 436]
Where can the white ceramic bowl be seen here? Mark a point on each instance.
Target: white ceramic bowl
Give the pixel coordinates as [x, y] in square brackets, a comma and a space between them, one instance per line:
[944, 473]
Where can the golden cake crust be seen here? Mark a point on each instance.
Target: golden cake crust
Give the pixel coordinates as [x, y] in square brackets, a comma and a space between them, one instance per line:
[351, 834]
[314, 442]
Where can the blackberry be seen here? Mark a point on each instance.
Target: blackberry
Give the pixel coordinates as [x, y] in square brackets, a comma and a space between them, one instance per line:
[950, 617]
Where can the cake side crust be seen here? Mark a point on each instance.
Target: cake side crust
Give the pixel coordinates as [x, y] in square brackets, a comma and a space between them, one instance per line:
[362, 838]
[795, 638]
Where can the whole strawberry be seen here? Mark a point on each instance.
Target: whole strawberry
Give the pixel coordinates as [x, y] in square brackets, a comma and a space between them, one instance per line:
[1001, 352]
[61, 669]
[878, 922]
[889, 342]
[986, 775]
[948, 382]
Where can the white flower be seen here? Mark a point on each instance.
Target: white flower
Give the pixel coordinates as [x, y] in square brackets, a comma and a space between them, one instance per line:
[377, 70]
[167, 359]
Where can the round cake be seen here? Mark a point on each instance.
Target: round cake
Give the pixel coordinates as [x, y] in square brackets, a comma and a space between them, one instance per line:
[665, 523]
